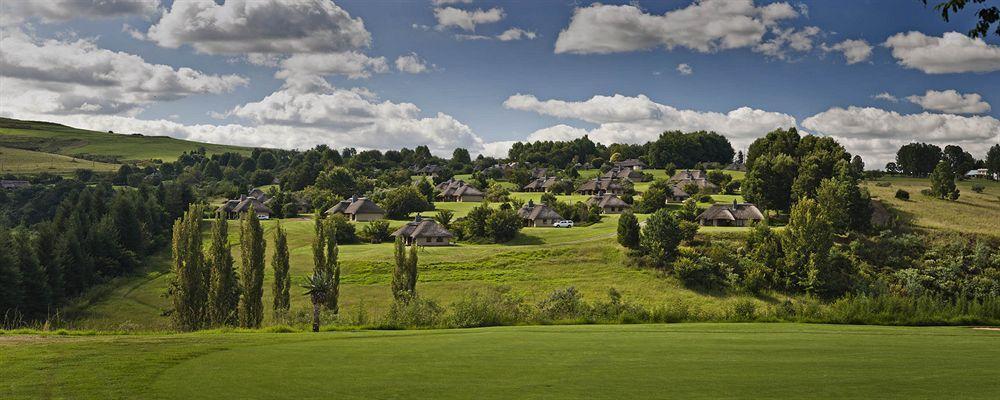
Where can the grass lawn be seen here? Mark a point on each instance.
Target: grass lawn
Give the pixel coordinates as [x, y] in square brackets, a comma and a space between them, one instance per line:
[60, 139]
[18, 161]
[972, 212]
[781, 361]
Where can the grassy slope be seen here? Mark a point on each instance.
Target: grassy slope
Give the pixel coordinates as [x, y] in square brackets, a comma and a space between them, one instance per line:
[610, 361]
[971, 213]
[60, 139]
[18, 161]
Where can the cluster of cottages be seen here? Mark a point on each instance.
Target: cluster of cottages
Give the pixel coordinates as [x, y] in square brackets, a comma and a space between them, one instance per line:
[604, 192]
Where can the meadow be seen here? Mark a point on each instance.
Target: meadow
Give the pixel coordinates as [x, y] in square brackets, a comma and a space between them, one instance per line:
[973, 212]
[53, 138]
[19, 161]
[762, 361]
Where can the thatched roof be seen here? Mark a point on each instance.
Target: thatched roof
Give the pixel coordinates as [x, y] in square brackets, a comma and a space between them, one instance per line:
[600, 184]
[607, 200]
[356, 205]
[623, 173]
[453, 187]
[421, 227]
[247, 202]
[541, 183]
[678, 192]
[732, 212]
[631, 163]
[534, 211]
[688, 174]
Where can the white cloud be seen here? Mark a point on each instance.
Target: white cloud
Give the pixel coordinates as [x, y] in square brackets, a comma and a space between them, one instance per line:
[626, 119]
[704, 26]
[876, 134]
[497, 149]
[784, 40]
[950, 101]
[260, 26]
[886, 96]
[561, 132]
[56, 76]
[446, 2]
[63, 10]
[516, 34]
[953, 52]
[467, 20]
[462, 36]
[309, 69]
[855, 51]
[411, 63]
[685, 69]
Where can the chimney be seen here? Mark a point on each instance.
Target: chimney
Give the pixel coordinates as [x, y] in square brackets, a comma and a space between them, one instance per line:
[734, 203]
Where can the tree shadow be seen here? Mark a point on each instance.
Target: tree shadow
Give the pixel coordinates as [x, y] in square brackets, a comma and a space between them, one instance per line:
[523, 239]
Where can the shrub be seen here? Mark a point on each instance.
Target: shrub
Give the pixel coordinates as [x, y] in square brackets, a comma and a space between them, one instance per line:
[927, 192]
[978, 188]
[902, 194]
[444, 217]
[628, 230]
[503, 225]
[496, 192]
[412, 313]
[562, 304]
[376, 231]
[705, 198]
[617, 310]
[883, 184]
[700, 273]
[346, 232]
[661, 236]
[744, 310]
[496, 306]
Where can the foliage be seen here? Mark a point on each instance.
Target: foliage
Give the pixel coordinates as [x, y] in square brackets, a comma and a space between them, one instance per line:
[902, 194]
[498, 193]
[251, 306]
[701, 272]
[978, 188]
[943, 181]
[628, 230]
[684, 150]
[317, 286]
[224, 290]
[376, 231]
[404, 276]
[400, 202]
[917, 159]
[562, 304]
[188, 291]
[282, 280]
[661, 236]
[496, 306]
[806, 242]
[503, 225]
[987, 15]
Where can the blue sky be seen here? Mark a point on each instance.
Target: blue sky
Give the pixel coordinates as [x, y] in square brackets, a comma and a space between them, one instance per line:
[816, 65]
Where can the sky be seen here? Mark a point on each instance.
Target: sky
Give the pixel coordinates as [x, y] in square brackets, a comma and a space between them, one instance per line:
[483, 74]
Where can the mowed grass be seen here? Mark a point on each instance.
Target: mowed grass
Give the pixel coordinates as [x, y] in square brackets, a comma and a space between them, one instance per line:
[972, 213]
[60, 139]
[710, 361]
[18, 161]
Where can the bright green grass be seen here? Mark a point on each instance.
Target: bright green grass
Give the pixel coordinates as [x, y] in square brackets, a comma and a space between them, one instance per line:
[18, 161]
[971, 213]
[60, 139]
[760, 361]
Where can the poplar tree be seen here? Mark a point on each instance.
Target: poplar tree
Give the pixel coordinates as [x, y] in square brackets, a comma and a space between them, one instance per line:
[189, 291]
[280, 264]
[318, 246]
[404, 276]
[224, 290]
[332, 268]
[251, 309]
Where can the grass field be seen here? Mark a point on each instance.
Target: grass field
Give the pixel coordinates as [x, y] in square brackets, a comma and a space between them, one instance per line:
[18, 161]
[60, 139]
[761, 361]
[972, 213]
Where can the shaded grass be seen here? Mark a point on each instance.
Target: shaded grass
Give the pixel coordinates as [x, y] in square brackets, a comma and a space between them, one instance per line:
[20, 161]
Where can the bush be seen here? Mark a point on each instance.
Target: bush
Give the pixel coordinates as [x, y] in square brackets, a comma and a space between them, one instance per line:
[902, 194]
[700, 273]
[628, 230]
[496, 306]
[705, 198]
[744, 310]
[883, 184]
[376, 231]
[345, 229]
[503, 225]
[927, 192]
[978, 188]
[562, 304]
[412, 313]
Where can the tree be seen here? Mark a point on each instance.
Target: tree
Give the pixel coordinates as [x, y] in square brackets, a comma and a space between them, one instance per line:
[993, 161]
[401, 201]
[943, 181]
[444, 218]
[661, 236]
[426, 189]
[628, 230]
[858, 165]
[279, 262]
[461, 156]
[252, 245]
[189, 289]
[224, 290]
[768, 183]
[845, 205]
[959, 160]
[34, 284]
[338, 180]
[503, 225]
[332, 266]
[806, 242]
[11, 294]
[317, 288]
[404, 276]
[688, 210]
[917, 159]
[987, 15]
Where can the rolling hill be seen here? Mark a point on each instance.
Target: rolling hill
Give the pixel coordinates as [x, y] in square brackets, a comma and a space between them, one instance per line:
[47, 137]
[20, 161]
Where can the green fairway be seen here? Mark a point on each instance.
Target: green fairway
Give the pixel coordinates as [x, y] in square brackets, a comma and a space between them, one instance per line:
[971, 213]
[18, 161]
[601, 361]
[60, 139]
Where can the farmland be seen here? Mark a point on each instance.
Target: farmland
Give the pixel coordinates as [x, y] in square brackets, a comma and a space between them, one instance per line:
[600, 361]
[19, 161]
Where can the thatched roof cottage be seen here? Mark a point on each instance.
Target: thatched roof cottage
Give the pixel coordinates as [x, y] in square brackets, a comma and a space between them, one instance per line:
[735, 214]
[538, 215]
[358, 209]
[424, 232]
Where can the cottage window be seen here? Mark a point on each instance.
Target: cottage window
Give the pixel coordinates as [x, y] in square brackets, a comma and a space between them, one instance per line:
[439, 239]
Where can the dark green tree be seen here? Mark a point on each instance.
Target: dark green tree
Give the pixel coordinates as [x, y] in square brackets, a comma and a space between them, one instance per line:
[404, 276]
[252, 245]
[224, 290]
[282, 280]
[993, 160]
[628, 231]
[190, 288]
[943, 181]
[806, 241]
[332, 267]
[661, 236]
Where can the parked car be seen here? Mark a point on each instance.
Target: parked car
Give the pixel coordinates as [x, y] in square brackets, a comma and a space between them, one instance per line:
[563, 224]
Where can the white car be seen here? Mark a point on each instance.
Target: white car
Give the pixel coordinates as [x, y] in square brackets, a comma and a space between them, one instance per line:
[563, 224]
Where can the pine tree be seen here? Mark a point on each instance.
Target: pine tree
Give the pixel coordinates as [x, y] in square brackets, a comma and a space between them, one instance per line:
[332, 266]
[404, 276]
[224, 291]
[318, 246]
[251, 309]
[190, 288]
[11, 294]
[628, 231]
[943, 181]
[282, 281]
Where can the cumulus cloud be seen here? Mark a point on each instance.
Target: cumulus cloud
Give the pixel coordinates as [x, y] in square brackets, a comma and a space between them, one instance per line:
[76, 76]
[260, 26]
[638, 119]
[953, 52]
[561, 132]
[951, 101]
[446, 2]
[516, 34]
[783, 40]
[309, 69]
[704, 26]
[684, 69]
[64, 10]
[876, 134]
[854, 50]
[886, 96]
[466, 19]
[411, 63]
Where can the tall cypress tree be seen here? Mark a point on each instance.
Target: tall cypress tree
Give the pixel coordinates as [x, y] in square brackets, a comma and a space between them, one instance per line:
[223, 291]
[332, 266]
[251, 309]
[190, 289]
[11, 294]
[282, 281]
[318, 245]
[404, 276]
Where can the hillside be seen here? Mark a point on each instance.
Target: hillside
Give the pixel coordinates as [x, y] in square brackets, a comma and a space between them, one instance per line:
[19, 161]
[972, 213]
[47, 137]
